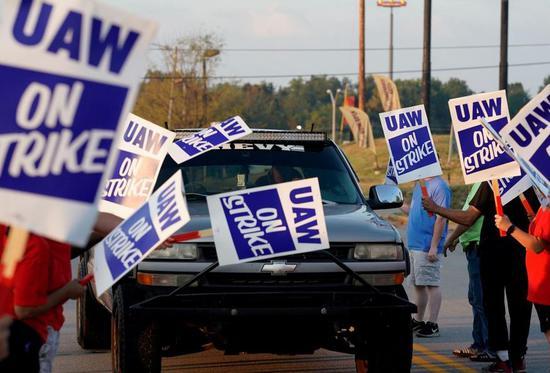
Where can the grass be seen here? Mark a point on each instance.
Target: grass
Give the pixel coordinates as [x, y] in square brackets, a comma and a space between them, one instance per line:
[364, 163]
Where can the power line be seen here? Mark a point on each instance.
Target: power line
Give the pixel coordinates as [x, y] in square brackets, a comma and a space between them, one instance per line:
[275, 76]
[441, 47]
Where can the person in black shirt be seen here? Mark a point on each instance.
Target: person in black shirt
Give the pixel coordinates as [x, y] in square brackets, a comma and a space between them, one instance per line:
[502, 267]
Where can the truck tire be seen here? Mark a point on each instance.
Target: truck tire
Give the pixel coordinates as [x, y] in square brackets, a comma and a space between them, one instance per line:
[93, 321]
[135, 343]
[389, 347]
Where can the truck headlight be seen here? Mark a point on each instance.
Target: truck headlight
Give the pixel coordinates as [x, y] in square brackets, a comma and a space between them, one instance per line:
[378, 251]
[181, 251]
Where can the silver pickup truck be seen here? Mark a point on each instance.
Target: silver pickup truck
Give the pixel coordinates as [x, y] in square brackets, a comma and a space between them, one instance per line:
[348, 298]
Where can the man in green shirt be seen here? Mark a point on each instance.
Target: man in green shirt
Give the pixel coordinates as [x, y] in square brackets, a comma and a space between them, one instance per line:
[469, 240]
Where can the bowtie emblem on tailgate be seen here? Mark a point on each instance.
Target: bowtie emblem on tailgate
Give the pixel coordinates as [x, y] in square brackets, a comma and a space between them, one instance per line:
[278, 268]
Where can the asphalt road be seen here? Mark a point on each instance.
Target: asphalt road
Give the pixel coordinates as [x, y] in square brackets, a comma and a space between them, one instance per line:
[430, 355]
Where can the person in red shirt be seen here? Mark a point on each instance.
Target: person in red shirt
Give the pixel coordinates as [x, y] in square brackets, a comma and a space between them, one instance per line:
[32, 302]
[537, 260]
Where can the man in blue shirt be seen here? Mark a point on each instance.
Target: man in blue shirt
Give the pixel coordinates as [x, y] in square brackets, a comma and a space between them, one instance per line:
[425, 237]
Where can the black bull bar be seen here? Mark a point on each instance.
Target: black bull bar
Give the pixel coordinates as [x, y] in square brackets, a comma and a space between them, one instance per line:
[343, 302]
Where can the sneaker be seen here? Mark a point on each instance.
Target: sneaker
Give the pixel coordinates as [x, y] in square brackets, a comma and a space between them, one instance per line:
[484, 357]
[499, 366]
[466, 352]
[428, 331]
[518, 366]
[417, 325]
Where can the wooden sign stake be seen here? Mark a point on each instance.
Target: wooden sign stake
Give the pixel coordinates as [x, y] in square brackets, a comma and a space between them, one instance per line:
[498, 202]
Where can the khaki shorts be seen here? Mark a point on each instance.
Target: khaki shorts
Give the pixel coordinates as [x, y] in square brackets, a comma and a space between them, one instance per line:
[424, 272]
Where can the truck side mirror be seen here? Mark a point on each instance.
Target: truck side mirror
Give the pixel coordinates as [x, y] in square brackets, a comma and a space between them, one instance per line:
[385, 197]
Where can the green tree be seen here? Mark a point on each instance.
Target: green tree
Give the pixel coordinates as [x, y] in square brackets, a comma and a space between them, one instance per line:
[517, 97]
[545, 82]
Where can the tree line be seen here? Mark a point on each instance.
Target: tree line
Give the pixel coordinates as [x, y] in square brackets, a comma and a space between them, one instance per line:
[183, 94]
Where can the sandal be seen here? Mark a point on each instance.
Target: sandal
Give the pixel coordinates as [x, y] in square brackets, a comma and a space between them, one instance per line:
[466, 352]
[484, 357]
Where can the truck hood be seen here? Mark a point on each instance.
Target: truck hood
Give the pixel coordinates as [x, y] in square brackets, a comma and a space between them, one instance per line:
[345, 223]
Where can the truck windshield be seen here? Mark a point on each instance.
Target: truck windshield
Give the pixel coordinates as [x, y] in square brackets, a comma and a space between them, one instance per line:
[239, 166]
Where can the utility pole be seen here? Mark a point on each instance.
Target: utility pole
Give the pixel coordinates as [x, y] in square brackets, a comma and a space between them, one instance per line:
[361, 78]
[426, 56]
[172, 83]
[503, 67]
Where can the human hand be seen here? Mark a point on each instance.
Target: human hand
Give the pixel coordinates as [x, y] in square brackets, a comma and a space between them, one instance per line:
[502, 222]
[5, 323]
[74, 290]
[432, 256]
[166, 244]
[449, 245]
[429, 205]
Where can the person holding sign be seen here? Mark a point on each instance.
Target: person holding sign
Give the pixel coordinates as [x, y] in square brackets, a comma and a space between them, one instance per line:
[537, 259]
[35, 301]
[425, 236]
[502, 268]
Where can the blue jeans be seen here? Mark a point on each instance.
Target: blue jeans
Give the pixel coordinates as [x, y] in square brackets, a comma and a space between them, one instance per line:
[475, 298]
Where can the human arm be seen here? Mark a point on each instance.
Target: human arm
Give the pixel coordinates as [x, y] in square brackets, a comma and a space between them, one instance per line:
[527, 240]
[5, 322]
[71, 290]
[464, 217]
[439, 227]
[452, 238]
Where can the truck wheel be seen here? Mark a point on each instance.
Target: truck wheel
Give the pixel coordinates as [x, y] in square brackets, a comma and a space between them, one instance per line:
[93, 321]
[135, 343]
[388, 348]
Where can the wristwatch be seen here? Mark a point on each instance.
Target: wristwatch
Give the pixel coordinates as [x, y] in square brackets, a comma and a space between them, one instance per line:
[510, 230]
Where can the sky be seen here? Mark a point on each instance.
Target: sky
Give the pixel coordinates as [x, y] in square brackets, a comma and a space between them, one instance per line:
[334, 24]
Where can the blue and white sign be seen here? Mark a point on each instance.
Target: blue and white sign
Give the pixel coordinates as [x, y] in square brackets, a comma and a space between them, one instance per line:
[529, 136]
[481, 157]
[390, 174]
[511, 187]
[141, 150]
[410, 144]
[150, 225]
[267, 222]
[209, 138]
[69, 71]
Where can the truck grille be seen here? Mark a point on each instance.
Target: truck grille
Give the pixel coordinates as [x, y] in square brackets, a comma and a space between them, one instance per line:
[341, 251]
[266, 279]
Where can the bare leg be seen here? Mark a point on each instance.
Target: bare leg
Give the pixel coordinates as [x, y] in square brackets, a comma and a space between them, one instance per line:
[421, 301]
[434, 295]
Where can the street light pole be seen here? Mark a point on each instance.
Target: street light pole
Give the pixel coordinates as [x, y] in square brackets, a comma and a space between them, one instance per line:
[172, 82]
[208, 53]
[333, 99]
[426, 57]
[391, 43]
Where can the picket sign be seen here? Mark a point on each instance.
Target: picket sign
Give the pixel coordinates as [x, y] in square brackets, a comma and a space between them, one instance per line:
[210, 138]
[390, 174]
[70, 71]
[537, 179]
[141, 150]
[481, 157]
[528, 134]
[267, 222]
[130, 242]
[410, 144]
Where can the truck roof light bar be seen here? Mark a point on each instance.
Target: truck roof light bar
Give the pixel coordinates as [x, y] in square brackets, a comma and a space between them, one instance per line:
[267, 135]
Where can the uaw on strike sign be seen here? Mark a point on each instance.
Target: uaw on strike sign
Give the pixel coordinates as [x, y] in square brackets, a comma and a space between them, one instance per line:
[129, 243]
[267, 222]
[69, 72]
[210, 138]
[529, 136]
[410, 144]
[481, 157]
[141, 149]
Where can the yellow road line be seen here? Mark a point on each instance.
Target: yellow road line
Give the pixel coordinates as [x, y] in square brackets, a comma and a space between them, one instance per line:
[427, 365]
[443, 359]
